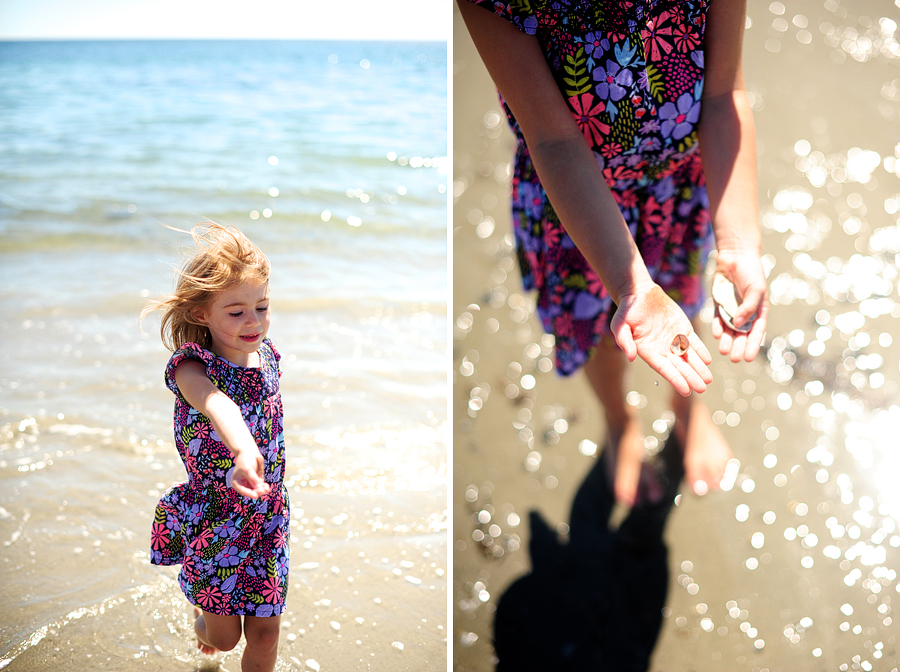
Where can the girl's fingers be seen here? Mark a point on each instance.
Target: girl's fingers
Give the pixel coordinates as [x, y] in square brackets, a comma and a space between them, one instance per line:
[726, 341]
[252, 493]
[681, 373]
[754, 343]
[686, 368]
[697, 365]
[738, 342]
[625, 340]
[723, 335]
[757, 334]
[687, 372]
[260, 487]
[700, 347]
[243, 490]
[252, 486]
[749, 305]
[663, 366]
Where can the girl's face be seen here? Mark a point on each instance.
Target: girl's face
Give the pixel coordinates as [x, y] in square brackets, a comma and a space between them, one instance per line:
[238, 320]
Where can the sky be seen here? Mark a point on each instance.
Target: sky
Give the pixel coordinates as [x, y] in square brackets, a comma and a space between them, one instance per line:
[267, 19]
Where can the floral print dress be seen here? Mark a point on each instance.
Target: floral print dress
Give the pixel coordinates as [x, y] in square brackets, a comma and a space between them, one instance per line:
[631, 72]
[234, 551]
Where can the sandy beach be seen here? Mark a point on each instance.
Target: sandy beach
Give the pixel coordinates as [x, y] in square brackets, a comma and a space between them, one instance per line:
[794, 566]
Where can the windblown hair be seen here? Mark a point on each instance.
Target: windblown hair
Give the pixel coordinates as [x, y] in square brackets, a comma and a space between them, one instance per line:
[224, 257]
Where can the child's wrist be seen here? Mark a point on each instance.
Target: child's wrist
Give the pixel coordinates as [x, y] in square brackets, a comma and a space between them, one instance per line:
[246, 451]
[738, 240]
[639, 284]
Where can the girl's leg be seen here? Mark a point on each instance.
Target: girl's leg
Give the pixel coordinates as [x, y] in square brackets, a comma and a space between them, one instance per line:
[216, 633]
[262, 643]
[705, 451]
[606, 372]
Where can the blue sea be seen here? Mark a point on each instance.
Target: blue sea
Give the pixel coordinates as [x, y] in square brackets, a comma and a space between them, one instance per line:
[332, 157]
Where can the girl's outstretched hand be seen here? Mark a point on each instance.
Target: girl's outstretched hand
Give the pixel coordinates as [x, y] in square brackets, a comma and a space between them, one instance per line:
[744, 269]
[248, 477]
[645, 324]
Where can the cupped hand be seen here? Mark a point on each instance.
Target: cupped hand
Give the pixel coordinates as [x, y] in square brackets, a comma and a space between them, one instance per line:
[248, 477]
[645, 324]
[745, 271]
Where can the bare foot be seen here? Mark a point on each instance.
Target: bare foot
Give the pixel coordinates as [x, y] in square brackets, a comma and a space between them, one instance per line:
[705, 450]
[626, 451]
[200, 629]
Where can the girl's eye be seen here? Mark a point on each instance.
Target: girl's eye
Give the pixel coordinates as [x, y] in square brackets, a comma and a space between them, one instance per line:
[262, 309]
[236, 314]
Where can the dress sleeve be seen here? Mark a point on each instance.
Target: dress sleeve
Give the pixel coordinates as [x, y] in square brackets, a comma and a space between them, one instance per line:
[276, 356]
[187, 351]
[517, 12]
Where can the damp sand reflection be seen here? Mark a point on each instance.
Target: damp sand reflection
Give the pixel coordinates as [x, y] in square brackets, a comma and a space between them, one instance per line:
[794, 564]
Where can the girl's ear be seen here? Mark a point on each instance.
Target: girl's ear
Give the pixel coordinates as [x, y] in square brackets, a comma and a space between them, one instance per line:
[199, 314]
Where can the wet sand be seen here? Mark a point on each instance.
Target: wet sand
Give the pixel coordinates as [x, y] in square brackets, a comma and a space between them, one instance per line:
[794, 567]
[368, 570]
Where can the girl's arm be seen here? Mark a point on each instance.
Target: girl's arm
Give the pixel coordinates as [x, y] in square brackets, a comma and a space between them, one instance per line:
[196, 387]
[646, 320]
[728, 144]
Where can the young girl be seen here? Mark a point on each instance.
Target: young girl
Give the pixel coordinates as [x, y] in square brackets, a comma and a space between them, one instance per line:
[228, 525]
[614, 208]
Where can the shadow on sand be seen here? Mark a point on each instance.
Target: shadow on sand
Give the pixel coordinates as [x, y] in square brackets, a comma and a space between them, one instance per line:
[594, 603]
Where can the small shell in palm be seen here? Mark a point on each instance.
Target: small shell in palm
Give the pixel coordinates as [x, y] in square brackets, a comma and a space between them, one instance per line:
[679, 345]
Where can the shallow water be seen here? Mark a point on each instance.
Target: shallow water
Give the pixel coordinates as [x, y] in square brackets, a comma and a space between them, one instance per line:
[794, 565]
[332, 158]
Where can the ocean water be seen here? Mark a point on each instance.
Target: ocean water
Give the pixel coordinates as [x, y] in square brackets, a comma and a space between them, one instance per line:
[331, 156]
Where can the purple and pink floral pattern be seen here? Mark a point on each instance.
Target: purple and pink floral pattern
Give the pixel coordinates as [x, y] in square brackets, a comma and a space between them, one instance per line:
[631, 72]
[234, 551]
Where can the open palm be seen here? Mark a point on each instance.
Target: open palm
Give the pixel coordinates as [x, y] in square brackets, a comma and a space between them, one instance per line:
[645, 324]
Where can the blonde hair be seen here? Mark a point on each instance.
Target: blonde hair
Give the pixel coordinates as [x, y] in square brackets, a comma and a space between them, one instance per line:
[224, 257]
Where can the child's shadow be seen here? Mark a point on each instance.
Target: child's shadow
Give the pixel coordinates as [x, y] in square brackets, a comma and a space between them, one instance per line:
[594, 603]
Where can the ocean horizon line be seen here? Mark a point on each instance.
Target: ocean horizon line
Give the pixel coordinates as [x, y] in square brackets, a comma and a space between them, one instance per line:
[9, 40]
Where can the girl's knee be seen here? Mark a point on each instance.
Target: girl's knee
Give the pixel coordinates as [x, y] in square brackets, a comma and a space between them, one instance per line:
[262, 633]
[222, 632]
[223, 641]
